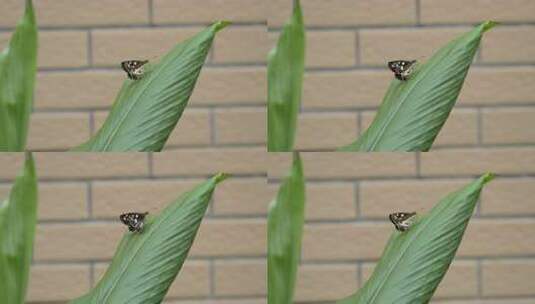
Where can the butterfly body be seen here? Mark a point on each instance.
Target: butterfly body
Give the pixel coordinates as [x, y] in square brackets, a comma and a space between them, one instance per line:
[402, 220]
[402, 68]
[134, 68]
[134, 220]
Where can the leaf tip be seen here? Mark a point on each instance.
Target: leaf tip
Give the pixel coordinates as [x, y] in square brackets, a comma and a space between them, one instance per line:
[221, 176]
[219, 25]
[487, 25]
[487, 177]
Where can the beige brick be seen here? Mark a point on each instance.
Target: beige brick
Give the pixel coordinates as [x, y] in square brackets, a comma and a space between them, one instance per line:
[70, 90]
[48, 130]
[345, 12]
[77, 242]
[111, 46]
[460, 11]
[486, 86]
[193, 128]
[62, 201]
[230, 237]
[90, 165]
[204, 161]
[240, 126]
[240, 278]
[79, 12]
[221, 86]
[377, 44]
[111, 198]
[508, 125]
[347, 165]
[249, 196]
[498, 43]
[241, 45]
[62, 49]
[325, 282]
[330, 201]
[330, 49]
[459, 281]
[45, 280]
[380, 198]
[508, 277]
[498, 237]
[191, 11]
[58, 48]
[193, 280]
[478, 161]
[461, 127]
[321, 131]
[345, 241]
[509, 196]
[345, 89]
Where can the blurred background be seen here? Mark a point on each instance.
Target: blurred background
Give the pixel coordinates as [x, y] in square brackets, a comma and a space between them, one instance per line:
[349, 43]
[81, 196]
[349, 197]
[81, 45]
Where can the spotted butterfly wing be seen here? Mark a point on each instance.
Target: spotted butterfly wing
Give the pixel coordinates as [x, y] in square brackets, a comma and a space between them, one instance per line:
[401, 68]
[134, 68]
[401, 220]
[134, 220]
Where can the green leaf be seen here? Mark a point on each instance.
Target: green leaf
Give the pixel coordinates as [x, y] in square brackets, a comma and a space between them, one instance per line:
[414, 262]
[145, 264]
[18, 65]
[413, 111]
[147, 110]
[285, 231]
[285, 81]
[18, 218]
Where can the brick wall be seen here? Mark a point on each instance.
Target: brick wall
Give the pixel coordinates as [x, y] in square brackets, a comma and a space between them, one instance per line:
[81, 196]
[82, 43]
[349, 197]
[350, 41]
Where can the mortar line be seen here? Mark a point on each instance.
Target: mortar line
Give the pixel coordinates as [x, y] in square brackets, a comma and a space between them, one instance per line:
[89, 48]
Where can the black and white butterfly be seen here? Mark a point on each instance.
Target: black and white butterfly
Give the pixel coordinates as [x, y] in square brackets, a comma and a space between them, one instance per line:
[402, 68]
[402, 220]
[133, 220]
[134, 68]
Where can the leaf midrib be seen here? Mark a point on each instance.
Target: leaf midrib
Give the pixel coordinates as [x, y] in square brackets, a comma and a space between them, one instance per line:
[136, 251]
[391, 269]
[375, 142]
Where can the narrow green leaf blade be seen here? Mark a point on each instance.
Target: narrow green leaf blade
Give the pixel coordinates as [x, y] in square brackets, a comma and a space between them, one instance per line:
[146, 111]
[414, 262]
[18, 218]
[18, 65]
[413, 112]
[285, 232]
[286, 64]
[145, 264]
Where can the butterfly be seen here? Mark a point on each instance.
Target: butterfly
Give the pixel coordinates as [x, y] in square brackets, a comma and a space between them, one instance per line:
[134, 68]
[133, 220]
[402, 220]
[401, 68]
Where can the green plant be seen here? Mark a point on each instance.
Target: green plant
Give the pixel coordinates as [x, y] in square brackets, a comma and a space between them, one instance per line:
[18, 218]
[413, 112]
[415, 261]
[17, 77]
[145, 264]
[146, 111]
[285, 232]
[285, 81]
